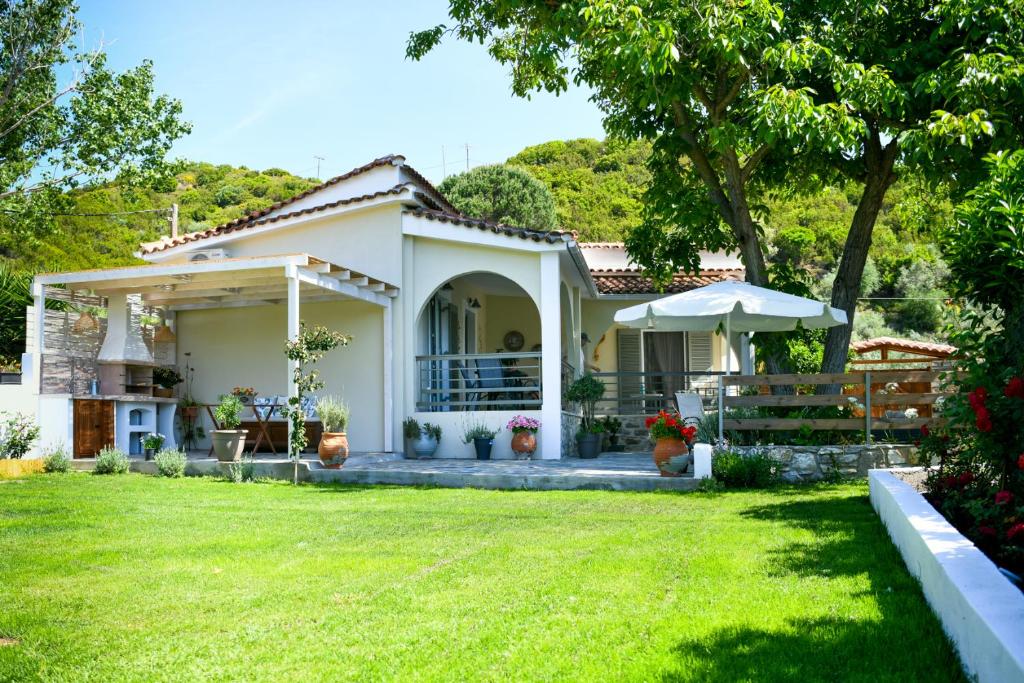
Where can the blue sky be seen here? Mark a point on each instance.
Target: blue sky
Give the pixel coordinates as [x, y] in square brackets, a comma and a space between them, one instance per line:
[275, 83]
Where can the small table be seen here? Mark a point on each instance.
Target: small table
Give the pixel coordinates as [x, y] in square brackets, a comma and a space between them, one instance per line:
[261, 424]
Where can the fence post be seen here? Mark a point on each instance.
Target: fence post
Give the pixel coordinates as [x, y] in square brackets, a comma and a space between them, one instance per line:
[721, 412]
[867, 407]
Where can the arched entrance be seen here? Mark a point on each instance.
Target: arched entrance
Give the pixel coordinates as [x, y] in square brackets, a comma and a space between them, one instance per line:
[478, 343]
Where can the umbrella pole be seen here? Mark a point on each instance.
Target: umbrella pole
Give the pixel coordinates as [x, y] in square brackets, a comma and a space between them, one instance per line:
[721, 383]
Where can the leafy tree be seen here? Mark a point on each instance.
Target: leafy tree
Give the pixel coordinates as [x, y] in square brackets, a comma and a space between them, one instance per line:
[56, 135]
[503, 194]
[597, 186]
[744, 98]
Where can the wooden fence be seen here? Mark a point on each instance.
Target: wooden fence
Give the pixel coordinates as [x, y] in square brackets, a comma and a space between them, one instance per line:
[914, 389]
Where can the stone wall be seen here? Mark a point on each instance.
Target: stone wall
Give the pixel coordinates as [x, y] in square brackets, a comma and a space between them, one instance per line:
[814, 463]
[633, 435]
[570, 425]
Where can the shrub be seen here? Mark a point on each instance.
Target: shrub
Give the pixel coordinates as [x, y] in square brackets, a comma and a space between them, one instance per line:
[411, 428]
[170, 463]
[229, 412]
[333, 414]
[111, 461]
[18, 432]
[57, 460]
[239, 472]
[736, 470]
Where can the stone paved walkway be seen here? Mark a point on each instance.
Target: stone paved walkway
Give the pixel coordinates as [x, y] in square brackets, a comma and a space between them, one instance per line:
[611, 471]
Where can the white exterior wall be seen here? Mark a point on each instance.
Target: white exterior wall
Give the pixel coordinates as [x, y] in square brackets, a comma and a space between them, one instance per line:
[453, 426]
[245, 347]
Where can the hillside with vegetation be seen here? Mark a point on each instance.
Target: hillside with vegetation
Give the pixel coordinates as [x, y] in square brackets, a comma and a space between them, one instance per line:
[103, 226]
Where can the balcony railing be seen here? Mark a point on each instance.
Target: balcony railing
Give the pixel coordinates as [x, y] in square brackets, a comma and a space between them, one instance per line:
[643, 393]
[478, 381]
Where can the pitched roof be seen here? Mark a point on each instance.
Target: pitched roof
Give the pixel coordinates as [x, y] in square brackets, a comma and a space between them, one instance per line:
[429, 195]
[903, 345]
[550, 236]
[631, 281]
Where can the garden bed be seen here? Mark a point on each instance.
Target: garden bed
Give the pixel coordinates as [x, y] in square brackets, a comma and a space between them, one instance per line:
[980, 610]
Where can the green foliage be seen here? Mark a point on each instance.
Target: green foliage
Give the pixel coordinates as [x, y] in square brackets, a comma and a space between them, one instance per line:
[477, 430]
[57, 460]
[586, 391]
[503, 194]
[111, 461]
[229, 412]
[333, 413]
[432, 430]
[240, 472]
[66, 119]
[168, 378]
[170, 463]
[735, 470]
[411, 428]
[18, 433]
[597, 186]
[307, 348]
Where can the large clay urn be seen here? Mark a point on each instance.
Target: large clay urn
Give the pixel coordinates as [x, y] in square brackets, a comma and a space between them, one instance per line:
[333, 449]
[524, 443]
[672, 457]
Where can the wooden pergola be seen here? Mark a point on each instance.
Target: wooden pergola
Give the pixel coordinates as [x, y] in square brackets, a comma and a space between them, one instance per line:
[893, 351]
[285, 279]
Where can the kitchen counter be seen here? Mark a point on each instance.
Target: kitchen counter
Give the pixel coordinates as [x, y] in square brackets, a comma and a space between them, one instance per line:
[126, 398]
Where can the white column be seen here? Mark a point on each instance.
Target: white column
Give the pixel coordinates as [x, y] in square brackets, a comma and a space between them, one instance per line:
[388, 378]
[291, 272]
[39, 312]
[551, 357]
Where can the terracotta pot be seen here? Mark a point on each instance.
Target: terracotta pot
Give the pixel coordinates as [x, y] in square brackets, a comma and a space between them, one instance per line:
[190, 412]
[524, 443]
[163, 392]
[228, 444]
[333, 450]
[672, 457]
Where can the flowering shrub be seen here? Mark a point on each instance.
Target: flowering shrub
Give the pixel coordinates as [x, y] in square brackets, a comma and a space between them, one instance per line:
[666, 425]
[979, 483]
[153, 441]
[18, 433]
[521, 423]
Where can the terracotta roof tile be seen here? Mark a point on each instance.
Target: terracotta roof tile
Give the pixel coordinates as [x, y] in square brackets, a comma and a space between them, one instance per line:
[905, 345]
[233, 226]
[432, 197]
[550, 236]
[611, 281]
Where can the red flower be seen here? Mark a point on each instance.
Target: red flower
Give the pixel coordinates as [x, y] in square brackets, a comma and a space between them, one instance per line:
[949, 482]
[1015, 530]
[924, 430]
[987, 531]
[649, 422]
[1004, 498]
[966, 478]
[1014, 388]
[983, 419]
[1020, 462]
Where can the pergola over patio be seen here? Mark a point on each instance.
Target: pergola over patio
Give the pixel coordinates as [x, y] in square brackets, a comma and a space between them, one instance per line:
[229, 283]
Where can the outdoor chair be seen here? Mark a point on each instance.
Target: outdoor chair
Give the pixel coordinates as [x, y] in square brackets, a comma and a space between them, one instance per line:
[492, 377]
[467, 381]
[691, 407]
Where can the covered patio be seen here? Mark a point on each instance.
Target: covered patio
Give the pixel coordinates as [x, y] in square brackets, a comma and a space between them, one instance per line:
[221, 321]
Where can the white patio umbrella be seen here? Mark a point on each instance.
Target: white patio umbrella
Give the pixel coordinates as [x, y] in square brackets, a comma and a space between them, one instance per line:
[732, 305]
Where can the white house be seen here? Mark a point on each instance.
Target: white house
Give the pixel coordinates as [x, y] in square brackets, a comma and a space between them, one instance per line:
[453, 320]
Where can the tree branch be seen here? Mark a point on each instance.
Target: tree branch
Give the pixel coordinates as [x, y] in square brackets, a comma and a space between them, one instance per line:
[754, 160]
[685, 128]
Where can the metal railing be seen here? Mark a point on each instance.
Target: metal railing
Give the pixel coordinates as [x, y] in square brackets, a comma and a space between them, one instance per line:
[478, 381]
[644, 393]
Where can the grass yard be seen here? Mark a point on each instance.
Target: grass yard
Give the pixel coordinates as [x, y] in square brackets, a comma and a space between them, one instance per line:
[138, 578]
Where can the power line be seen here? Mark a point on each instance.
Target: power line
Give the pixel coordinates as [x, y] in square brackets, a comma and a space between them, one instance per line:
[108, 213]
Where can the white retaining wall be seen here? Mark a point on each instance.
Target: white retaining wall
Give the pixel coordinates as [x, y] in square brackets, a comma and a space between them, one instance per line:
[980, 610]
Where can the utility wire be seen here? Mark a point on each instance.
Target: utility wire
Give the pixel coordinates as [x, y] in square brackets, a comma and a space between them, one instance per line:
[110, 213]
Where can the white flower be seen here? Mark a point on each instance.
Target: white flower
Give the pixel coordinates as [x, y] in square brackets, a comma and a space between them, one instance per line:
[910, 413]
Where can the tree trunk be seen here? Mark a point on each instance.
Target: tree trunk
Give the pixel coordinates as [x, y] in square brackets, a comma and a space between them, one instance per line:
[846, 289]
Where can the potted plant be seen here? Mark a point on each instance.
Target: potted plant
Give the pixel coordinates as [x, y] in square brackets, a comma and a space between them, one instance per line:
[425, 445]
[151, 443]
[228, 441]
[411, 431]
[672, 439]
[244, 394]
[524, 435]
[482, 438]
[333, 447]
[612, 426]
[587, 391]
[165, 380]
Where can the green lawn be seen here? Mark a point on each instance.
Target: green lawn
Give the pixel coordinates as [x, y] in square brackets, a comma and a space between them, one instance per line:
[138, 578]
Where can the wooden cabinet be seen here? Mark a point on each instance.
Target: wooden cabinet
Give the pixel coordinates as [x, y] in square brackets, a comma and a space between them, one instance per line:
[93, 426]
